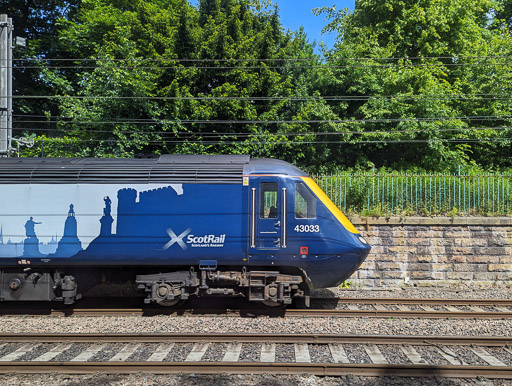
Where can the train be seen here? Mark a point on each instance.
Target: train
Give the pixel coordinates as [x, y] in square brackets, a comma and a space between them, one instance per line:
[175, 226]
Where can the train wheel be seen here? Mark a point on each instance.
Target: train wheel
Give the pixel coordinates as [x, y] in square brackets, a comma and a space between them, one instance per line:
[170, 303]
[167, 295]
[271, 304]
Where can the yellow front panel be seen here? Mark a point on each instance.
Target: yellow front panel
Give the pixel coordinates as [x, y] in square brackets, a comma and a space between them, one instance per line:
[330, 205]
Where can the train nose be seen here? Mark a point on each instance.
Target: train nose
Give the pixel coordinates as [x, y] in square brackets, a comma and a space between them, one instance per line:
[362, 248]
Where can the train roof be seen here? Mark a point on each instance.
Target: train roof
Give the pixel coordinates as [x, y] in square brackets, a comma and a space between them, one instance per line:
[165, 169]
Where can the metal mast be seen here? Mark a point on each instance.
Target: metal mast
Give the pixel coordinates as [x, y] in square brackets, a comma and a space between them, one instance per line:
[5, 84]
[6, 43]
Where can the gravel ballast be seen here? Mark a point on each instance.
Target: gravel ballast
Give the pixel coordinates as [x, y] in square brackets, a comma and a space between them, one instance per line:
[460, 292]
[296, 325]
[237, 380]
[292, 325]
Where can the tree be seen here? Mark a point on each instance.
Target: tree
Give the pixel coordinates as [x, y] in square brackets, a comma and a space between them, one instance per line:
[35, 20]
[503, 13]
[164, 72]
[412, 72]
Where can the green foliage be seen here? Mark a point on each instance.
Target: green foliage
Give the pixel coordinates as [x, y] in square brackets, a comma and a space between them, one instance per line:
[503, 14]
[163, 71]
[436, 60]
[35, 20]
[345, 285]
[53, 147]
[151, 77]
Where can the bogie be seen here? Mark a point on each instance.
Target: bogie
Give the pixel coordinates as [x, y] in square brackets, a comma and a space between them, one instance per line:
[270, 287]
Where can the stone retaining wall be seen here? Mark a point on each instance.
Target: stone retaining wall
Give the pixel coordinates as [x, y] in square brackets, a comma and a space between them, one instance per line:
[474, 252]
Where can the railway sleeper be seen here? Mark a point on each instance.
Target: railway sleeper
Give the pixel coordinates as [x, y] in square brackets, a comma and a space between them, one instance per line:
[268, 287]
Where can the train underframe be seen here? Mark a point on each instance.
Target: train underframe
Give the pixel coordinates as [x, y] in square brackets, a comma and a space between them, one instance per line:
[159, 286]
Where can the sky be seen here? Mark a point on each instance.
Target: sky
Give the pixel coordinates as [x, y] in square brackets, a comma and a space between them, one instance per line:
[298, 13]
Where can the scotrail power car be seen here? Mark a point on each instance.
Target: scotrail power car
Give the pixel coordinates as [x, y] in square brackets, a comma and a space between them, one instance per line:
[177, 226]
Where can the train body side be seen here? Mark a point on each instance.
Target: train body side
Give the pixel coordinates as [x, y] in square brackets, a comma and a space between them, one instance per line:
[130, 224]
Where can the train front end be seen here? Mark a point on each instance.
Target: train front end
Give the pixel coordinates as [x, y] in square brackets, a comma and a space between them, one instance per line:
[294, 225]
[339, 250]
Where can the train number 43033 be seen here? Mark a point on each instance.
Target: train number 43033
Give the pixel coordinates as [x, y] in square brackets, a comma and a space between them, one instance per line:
[307, 228]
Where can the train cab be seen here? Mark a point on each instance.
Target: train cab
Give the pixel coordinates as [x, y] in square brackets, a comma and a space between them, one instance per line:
[294, 224]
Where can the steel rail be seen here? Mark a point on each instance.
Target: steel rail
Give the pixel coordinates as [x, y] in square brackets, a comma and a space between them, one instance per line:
[321, 369]
[496, 341]
[429, 301]
[325, 307]
[287, 313]
[402, 314]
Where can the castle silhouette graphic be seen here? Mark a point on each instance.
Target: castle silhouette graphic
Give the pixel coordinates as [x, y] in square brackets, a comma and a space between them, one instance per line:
[31, 247]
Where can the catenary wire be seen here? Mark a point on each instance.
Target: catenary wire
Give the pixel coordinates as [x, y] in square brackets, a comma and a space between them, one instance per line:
[269, 98]
[453, 57]
[246, 134]
[383, 66]
[57, 119]
[198, 142]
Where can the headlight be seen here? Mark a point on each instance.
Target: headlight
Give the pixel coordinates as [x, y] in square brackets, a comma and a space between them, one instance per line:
[361, 239]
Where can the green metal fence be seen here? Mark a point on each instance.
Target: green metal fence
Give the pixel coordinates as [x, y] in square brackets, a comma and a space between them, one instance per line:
[421, 194]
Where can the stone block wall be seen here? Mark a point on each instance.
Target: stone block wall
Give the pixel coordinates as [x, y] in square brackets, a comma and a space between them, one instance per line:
[472, 252]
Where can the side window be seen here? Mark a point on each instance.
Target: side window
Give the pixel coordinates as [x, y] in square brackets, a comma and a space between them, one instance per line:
[305, 202]
[268, 200]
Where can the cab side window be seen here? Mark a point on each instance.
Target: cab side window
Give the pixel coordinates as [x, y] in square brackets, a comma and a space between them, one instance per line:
[268, 200]
[305, 202]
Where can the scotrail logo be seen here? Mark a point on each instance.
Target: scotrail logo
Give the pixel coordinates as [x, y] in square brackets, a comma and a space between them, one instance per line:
[205, 241]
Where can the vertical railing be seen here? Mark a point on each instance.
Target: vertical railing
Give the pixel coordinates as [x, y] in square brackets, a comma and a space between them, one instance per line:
[423, 194]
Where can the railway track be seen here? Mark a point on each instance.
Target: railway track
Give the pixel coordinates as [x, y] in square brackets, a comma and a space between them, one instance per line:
[321, 307]
[423, 308]
[320, 354]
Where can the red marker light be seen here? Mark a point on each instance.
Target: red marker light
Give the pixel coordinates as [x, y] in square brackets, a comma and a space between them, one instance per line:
[304, 250]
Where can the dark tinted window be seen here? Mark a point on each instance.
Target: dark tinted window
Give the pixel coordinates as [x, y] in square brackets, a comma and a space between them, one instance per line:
[268, 200]
[305, 202]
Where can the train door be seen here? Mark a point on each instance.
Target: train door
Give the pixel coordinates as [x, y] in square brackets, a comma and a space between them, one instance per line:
[268, 221]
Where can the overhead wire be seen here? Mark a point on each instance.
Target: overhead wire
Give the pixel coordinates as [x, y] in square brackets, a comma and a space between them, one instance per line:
[193, 60]
[318, 62]
[423, 97]
[385, 66]
[247, 134]
[348, 142]
[53, 119]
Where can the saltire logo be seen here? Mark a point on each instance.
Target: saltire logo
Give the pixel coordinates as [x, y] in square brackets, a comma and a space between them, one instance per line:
[177, 239]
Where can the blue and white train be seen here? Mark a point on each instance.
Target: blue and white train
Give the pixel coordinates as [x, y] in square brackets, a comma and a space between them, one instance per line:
[177, 226]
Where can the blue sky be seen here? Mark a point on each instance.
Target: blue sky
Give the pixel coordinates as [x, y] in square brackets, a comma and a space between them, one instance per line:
[297, 13]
